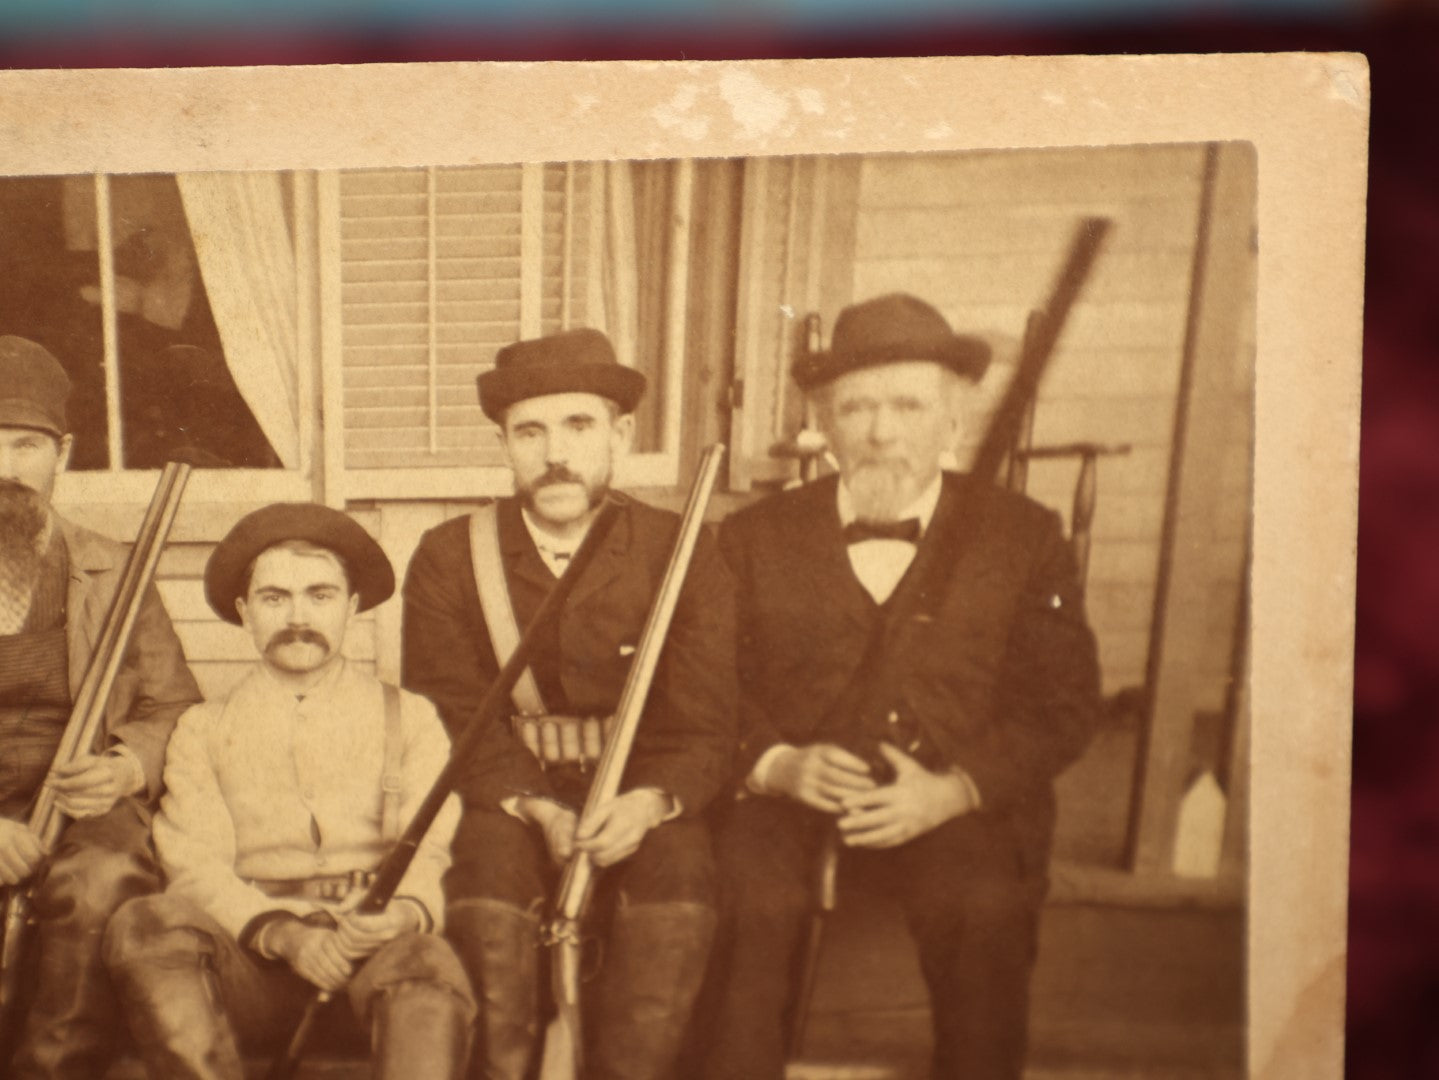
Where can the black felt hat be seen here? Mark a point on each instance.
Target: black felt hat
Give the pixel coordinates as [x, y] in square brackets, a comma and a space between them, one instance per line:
[581, 360]
[887, 330]
[33, 387]
[369, 568]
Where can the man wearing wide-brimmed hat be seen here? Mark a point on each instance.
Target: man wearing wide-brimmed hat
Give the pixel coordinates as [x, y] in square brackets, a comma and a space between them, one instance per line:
[915, 669]
[280, 799]
[57, 581]
[565, 409]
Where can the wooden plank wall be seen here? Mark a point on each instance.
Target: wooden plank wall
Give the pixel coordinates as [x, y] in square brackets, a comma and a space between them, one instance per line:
[982, 236]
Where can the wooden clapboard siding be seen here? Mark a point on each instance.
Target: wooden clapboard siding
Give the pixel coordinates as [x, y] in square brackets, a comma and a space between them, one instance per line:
[982, 236]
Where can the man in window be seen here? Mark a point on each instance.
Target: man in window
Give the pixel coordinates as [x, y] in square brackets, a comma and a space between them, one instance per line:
[915, 669]
[280, 800]
[565, 409]
[57, 582]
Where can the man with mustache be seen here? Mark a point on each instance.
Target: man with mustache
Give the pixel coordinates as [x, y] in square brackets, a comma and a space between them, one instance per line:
[915, 669]
[565, 409]
[57, 581]
[280, 800]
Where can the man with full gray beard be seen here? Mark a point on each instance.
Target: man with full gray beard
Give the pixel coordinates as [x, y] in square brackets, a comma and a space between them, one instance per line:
[915, 669]
[57, 581]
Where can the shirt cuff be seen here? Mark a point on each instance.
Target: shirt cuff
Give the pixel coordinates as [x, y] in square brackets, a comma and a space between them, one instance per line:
[758, 779]
[137, 782]
[970, 787]
[427, 923]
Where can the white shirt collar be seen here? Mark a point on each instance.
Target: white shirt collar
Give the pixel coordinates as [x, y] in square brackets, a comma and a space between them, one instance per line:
[922, 507]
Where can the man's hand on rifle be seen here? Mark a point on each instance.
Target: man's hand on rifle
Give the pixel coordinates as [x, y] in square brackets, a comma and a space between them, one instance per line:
[20, 851]
[90, 785]
[616, 828]
[556, 823]
[361, 936]
[821, 776]
[917, 801]
[314, 952]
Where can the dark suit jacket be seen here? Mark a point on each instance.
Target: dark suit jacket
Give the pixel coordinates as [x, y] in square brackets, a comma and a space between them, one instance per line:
[999, 674]
[686, 738]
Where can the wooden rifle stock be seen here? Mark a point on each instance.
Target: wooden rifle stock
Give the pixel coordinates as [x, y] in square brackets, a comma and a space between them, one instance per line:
[88, 715]
[564, 1047]
[496, 700]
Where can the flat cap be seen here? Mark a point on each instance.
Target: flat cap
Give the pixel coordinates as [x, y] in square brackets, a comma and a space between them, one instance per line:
[33, 387]
[369, 568]
[888, 330]
[580, 360]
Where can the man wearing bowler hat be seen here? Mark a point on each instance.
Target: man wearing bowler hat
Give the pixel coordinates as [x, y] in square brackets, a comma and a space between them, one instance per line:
[565, 409]
[280, 800]
[915, 670]
[57, 581]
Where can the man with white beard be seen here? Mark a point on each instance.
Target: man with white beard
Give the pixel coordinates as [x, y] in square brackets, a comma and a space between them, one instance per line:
[57, 580]
[915, 669]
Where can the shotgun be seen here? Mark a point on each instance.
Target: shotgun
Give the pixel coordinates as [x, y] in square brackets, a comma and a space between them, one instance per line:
[86, 718]
[495, 703]
[563, 1057]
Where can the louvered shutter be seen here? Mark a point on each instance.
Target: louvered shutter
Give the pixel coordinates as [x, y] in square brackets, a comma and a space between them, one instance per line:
[440, 268]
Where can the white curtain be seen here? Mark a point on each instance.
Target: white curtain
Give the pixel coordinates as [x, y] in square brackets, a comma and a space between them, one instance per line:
[247, 260]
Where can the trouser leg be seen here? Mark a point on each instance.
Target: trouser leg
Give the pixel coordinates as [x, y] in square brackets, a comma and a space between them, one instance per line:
[161, 953]
[496, 890]
[72, 1023]
[765, 850]
[416, 1000]
[974, 916]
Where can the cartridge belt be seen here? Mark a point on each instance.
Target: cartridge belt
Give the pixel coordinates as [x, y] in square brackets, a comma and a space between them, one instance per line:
[564, 740]
[332, 888]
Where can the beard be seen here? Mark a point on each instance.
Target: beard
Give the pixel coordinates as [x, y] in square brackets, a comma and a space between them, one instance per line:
[881, 489]
[24, 515]
[529, 493]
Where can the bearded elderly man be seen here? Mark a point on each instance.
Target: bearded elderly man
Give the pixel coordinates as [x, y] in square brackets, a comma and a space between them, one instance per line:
[565, 409]
[57, 581]
[915, 670]
[280, 800]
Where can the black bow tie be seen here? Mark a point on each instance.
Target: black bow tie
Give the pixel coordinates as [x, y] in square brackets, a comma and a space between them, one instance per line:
[856, 532]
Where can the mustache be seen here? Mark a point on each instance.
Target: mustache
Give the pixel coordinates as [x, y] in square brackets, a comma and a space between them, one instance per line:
[556, 474]
[297, 635]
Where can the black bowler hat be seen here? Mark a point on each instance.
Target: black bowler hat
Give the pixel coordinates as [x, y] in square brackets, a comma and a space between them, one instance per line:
[226, 573]
[33, 387]
[890, 329]
[581, 360]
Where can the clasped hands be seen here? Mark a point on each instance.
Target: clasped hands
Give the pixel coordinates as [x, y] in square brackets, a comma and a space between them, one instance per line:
[86, 786]
[611, 834]
[833, 780]
[327, 956]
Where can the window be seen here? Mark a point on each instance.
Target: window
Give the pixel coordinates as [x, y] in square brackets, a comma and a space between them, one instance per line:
[428, 272]
[146, 290]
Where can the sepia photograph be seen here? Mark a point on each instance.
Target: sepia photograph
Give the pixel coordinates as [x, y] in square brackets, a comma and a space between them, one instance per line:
[644, 600]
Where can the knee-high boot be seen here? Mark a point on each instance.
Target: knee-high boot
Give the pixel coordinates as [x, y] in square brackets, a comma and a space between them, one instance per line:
[175, 1015]
[654, 961]
[499, 946]
[420, 1031]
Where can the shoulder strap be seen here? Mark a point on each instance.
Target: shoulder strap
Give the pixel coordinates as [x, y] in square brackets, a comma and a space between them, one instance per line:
[390, 770]
[496, 605]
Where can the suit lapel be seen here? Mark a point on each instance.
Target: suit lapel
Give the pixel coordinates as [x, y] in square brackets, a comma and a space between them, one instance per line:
[956, 522]
[610, 561]
[824, 569]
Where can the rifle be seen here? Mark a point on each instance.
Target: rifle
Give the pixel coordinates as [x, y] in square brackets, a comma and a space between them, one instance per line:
[392, 869]
[563, 1057]
[87, 716]
[997, 441]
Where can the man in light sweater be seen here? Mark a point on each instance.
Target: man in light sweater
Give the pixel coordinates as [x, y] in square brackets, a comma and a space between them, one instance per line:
[280, 800]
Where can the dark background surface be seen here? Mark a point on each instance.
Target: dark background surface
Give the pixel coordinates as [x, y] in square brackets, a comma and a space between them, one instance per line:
[1394, 917]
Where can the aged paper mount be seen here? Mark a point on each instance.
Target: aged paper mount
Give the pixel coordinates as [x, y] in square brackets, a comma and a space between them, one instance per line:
[1306, 117]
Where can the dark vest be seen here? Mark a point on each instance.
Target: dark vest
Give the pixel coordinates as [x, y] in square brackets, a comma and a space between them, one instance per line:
[34, 685]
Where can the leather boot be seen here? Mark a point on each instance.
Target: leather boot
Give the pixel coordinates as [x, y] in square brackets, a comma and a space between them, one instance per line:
[175, 1015]
[654, 960]
[420, 1031]
[499, 946]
